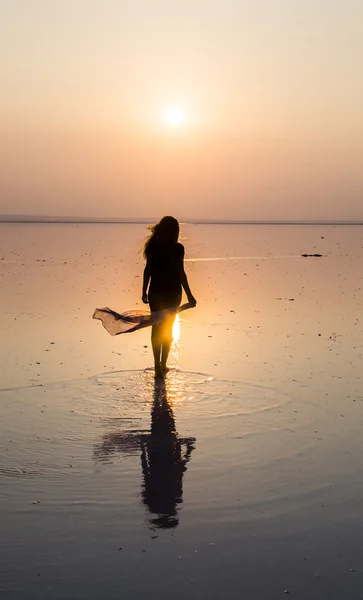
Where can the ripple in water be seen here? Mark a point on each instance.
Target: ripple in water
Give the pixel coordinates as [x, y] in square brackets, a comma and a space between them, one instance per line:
[127, 424]
[66, 414]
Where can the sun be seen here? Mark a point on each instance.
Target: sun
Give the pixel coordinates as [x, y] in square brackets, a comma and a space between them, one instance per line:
[175, 117]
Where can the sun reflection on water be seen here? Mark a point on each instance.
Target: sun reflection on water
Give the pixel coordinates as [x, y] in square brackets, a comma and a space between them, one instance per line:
[176, 329]
[174, 356]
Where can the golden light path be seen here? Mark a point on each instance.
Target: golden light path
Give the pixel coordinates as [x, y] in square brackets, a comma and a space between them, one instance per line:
[176, 329]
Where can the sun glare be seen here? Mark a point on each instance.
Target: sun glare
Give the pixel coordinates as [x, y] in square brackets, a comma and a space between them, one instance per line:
[175, 117]
[176, 329]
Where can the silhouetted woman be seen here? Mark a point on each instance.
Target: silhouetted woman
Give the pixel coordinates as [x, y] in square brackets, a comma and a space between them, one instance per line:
[164, 271]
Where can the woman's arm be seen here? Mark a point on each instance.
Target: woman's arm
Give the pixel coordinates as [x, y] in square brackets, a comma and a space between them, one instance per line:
[185, 284]
[146, 279]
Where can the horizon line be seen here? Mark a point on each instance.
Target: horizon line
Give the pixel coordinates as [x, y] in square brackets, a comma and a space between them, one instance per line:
[6, 218]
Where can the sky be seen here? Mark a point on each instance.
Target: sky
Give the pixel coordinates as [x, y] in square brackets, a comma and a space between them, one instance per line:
[220, 109]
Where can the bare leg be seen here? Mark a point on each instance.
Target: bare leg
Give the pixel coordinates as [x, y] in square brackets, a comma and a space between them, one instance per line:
[167, 339]
[156, 340]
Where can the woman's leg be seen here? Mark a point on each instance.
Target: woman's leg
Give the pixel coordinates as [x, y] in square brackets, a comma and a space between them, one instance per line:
[167, 339]
[156, 341]
[161, 334]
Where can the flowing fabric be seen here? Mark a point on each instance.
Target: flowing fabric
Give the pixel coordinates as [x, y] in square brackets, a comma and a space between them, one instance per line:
[116, 323]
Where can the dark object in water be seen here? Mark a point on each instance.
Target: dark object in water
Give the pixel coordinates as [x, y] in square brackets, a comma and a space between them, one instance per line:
[316, 255]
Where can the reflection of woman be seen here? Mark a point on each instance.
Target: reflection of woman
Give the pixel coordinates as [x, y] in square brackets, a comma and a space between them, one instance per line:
[164, 458]
[164, 271]
[164, 462]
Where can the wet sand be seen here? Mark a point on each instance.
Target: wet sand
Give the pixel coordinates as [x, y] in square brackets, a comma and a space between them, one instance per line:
[241, 476]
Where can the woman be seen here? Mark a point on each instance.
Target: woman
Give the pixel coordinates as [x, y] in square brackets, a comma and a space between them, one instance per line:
[164, 270]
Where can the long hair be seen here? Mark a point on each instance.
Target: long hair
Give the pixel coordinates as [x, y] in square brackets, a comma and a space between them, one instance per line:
[165, 233]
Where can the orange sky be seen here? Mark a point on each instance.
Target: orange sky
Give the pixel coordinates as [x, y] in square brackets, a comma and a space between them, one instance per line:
[271, 95]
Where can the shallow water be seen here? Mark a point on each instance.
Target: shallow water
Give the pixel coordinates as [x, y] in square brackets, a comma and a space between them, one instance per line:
[241, 477]
[120, 483]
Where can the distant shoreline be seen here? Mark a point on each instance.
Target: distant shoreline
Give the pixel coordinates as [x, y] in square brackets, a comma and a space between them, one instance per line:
[7, 219]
